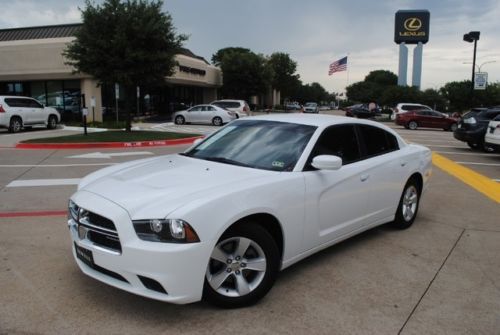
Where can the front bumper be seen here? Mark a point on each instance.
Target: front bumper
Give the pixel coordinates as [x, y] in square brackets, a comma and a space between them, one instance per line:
[178, 268]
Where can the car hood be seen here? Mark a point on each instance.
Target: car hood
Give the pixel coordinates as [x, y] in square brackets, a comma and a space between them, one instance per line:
[163, 184]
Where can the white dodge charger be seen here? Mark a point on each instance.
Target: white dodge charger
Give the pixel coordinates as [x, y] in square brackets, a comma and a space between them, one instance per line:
[221, 219]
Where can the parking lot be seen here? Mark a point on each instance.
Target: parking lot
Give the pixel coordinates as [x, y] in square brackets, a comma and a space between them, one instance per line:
[440, 276]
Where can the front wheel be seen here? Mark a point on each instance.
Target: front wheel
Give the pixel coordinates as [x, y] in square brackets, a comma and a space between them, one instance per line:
[179, 119]
[453, 127]
[242, 267]
[52, 122]
[217, 121]
[474, 145]
[408, 206]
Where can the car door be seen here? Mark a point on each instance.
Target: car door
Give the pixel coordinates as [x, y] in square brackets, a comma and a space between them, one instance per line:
[38, 111]
[208, 112]
[193, 114]
[386, 172]
[22, 107]
[335, 200]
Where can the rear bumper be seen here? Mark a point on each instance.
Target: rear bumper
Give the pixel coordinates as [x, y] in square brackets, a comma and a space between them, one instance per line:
[464, 135]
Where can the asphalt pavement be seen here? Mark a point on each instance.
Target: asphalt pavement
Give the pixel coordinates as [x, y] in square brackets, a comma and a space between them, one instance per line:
[441, 276]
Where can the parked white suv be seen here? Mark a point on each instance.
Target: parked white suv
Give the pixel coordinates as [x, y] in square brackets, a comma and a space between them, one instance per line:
[240, 107]
[406, 107]
[18, 112]
[492, 137]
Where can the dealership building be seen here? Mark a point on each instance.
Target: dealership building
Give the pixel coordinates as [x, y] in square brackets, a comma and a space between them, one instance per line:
[32, 64]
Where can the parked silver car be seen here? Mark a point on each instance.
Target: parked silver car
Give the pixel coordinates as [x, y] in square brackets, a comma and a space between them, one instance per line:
[204, 114]
[239, 107]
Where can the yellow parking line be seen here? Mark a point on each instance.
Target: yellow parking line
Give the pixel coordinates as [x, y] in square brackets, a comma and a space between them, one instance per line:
[477, 181]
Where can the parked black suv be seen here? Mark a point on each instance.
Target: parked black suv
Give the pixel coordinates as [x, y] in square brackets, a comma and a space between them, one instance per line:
[473, 125]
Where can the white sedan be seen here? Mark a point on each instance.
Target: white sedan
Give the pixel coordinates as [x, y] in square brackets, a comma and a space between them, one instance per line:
[221, 219]
[204, 114]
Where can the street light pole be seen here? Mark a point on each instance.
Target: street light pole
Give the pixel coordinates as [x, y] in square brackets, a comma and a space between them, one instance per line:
[472, 36]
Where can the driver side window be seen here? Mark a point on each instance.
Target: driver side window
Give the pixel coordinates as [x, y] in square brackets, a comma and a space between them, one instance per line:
[340, 141]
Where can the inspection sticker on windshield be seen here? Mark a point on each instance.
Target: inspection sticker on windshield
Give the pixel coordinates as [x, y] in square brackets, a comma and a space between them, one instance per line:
[278, 164]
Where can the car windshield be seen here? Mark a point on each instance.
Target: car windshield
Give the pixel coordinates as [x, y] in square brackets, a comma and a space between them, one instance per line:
[260, 144]
[311, 104]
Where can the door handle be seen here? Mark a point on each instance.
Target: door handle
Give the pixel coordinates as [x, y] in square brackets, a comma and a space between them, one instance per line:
[364, 177]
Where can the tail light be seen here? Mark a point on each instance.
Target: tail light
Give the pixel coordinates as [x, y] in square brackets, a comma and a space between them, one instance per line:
[1, 109]
[246, 109]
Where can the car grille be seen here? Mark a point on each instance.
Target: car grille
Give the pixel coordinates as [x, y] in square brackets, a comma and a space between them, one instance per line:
[99, 230]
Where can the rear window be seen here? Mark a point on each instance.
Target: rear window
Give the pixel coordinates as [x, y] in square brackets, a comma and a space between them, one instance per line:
[377, 141]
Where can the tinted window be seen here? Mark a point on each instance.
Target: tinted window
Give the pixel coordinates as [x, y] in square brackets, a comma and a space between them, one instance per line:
[195, 109]
[35, 104]
[497, 118]
[377, 141]
[18, 102]
[340, 141]
[492, 114]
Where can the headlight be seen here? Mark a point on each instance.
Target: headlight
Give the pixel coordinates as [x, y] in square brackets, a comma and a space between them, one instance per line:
[165, 230]
[73, 211]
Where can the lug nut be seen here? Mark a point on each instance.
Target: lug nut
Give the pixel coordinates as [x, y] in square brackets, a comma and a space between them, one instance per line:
[238, 258]
[229, 261]
[237, 272]
[228, 270]
[243, 265]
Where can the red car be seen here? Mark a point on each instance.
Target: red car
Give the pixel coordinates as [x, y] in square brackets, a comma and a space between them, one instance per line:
[427, 119]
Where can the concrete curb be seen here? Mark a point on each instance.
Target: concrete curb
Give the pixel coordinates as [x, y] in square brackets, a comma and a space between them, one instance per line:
[156, 143]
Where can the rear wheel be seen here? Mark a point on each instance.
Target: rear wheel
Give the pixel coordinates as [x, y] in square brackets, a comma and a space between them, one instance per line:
[408, 205]
[179, 119]
[217, 121]
[412, 125]
[52, 122]
[15, 124]
[242, 267]
[453, 127]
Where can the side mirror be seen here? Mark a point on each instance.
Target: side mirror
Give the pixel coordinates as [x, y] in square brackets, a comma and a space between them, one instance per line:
[327, 162]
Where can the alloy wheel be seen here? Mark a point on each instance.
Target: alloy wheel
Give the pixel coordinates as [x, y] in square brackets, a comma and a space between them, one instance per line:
[410, 202]
[237, 267]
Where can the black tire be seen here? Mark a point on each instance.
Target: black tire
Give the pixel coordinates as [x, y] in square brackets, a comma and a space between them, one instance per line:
[413, 125]
[487, 148]
[179, 119]
[403, 218]
[15, 124]
[474, 145]
[453, 127]
[227, 295]
[237, 116]
[52, 122]
[217, 121]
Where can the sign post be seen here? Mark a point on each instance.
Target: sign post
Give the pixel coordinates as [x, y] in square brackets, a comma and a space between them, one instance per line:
[85, 112]
[138, 98]
[480, 80]
[92, 104]
[117, 96]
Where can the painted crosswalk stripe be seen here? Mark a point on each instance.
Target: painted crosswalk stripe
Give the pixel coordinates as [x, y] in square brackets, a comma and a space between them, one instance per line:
[44, 182]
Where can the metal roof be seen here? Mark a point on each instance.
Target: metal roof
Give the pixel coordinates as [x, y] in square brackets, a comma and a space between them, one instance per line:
[34, 33]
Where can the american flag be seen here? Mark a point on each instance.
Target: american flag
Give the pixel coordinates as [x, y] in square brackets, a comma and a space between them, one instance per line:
[340, 65]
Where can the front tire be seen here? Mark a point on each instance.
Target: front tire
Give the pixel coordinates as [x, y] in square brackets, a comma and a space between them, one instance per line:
[453, 127]
[52, 122]
[413, 125]
[474, 145]
[242, 268]
[179, 119]
[408, 206]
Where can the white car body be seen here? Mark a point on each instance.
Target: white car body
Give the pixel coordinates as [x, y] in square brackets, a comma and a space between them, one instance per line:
[204, 114]
[405, 107]
[315, 209]
[311, 107]
[492, 136]
[27, 111]
[240, 107]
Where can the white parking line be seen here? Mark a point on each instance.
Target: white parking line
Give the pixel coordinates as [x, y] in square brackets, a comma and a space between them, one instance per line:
[44, 182]
[479, 154]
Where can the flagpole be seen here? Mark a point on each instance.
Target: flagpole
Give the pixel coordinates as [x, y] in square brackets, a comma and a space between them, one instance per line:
[347, 66]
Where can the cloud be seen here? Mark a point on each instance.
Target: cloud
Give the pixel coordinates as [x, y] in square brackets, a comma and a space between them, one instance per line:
[37, 13]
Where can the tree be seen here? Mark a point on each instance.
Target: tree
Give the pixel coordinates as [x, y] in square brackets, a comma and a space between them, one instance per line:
[245, 73]
[284, 70]
[312, 93]
[132, 43]
[382, 77]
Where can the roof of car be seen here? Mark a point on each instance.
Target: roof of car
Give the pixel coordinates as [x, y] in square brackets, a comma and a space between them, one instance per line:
[319, 120]
[15, 96]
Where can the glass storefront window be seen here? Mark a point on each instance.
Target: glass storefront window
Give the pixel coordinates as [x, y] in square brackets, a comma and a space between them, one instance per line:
[38, 91]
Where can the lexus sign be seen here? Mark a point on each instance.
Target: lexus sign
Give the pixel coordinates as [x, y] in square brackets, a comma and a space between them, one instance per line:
[412, 26]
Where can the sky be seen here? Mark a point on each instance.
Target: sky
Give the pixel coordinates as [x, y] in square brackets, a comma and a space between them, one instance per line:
[315, 33]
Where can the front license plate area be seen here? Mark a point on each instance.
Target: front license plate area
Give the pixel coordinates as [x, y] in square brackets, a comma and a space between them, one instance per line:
[85, 255]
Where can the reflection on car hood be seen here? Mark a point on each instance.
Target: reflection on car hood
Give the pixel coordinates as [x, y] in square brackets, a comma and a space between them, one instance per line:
[167, 183]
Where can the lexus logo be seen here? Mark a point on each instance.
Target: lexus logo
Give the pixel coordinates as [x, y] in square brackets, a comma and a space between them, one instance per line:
[413, 24]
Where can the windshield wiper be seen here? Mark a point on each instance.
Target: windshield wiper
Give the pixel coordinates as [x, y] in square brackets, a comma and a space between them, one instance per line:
[225, 160]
